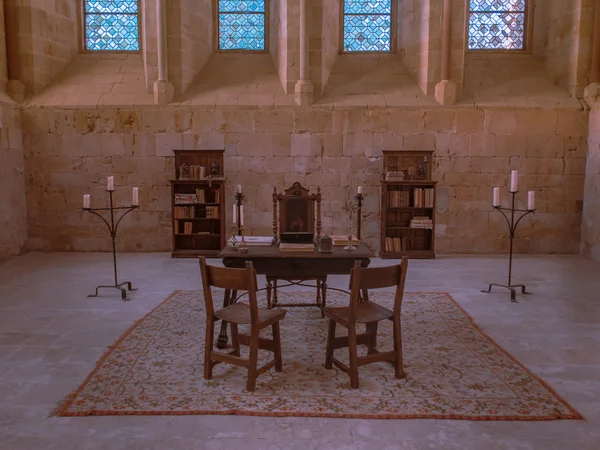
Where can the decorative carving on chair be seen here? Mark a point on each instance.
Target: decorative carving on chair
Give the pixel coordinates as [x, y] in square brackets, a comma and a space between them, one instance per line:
[294, 212]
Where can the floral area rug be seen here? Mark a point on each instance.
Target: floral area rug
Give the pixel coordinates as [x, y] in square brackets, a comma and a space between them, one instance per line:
[454, 370]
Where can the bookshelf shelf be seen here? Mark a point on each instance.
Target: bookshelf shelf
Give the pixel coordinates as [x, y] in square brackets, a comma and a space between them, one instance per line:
[407, 203]
[198, 203]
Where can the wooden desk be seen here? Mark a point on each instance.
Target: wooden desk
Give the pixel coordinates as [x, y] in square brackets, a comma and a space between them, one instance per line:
[275, 265]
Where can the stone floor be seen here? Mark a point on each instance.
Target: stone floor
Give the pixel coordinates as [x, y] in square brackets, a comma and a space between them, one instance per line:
[51, 336]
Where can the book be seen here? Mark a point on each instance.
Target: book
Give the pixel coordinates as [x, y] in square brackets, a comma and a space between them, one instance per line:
[286, 247]
[341, 240]
[255, 241]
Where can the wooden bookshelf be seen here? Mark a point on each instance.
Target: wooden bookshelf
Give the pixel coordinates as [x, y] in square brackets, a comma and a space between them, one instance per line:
[407, 205]
[198, 203]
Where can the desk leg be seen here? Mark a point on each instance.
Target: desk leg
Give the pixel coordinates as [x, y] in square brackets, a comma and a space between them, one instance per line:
[324, 295]
[275, 298]
[229, 298]
[268, 287]
[364, 296]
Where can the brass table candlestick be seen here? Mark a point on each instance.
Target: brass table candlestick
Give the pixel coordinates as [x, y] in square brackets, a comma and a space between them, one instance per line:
[112, 228]
[512, 227]
[359, 199]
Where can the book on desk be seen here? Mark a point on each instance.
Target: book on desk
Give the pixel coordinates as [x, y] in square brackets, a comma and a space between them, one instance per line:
[289, 247]
[341, 240]
[255, 241]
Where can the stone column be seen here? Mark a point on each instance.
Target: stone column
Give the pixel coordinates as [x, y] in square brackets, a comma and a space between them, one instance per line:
[14, 88]
[163, 89]
[304, 88]
[593, 89]
[445, 90]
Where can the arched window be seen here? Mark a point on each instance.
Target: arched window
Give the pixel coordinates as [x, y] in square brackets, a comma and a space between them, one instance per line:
[367, 25]
[497, 24]
[111, 25]
[242, 24]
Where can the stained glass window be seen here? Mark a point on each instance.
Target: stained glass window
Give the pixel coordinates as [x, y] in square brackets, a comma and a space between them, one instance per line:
[242, 25]
[111, 25]
[497, 24]
[367, 25]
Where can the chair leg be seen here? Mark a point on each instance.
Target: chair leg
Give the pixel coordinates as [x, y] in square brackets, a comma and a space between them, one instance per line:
[329, 351]
[208, 347]
[372, 330]
[252, 367]
[353, 353]
[277, 345]
[399, 367]
[235, 341]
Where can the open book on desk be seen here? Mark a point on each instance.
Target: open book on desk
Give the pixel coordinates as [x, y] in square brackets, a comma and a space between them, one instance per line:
[254, 241]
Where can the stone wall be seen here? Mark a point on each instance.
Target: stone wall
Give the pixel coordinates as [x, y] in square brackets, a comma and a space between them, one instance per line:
[570, 29]
[590, 239]
[48, 40]
[13, 209]
[70, 152]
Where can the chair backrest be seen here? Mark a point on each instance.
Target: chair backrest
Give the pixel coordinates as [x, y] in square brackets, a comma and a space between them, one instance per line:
[228, 278]
[363, 278]
[294, 211]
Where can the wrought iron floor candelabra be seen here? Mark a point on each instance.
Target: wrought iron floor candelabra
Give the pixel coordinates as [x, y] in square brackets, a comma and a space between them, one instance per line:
[112, 228]
[512, 227]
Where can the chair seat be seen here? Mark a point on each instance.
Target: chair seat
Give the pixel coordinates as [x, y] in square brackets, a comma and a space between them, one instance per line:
[366, 312]
[239, 313]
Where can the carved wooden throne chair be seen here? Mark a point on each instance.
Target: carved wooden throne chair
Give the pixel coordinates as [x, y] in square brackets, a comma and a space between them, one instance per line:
[296, 219]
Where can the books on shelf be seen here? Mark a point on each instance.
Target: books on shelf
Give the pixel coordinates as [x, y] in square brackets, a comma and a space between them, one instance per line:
[185, 198]
[394, 176]
[255, 241]
[287, 247]
[421, 222]
[423, 197]
[212, 212]
[398, 199]
[396, 244]
[341, 240]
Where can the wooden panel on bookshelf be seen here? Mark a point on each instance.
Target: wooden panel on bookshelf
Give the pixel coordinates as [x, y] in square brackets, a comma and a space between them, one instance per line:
[407, 205]
[198, 203]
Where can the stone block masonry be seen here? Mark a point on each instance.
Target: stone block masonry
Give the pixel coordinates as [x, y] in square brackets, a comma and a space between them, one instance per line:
[13, 207]
[70, 152]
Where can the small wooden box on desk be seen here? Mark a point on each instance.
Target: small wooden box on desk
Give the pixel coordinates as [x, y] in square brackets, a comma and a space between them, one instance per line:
[407, 205]
[198, 203]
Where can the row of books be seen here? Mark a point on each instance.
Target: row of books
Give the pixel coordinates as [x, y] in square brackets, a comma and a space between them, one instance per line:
[423, 198]
[398, 199]
[397, 244]
[192, 172]
[421, 222]
[189, 212]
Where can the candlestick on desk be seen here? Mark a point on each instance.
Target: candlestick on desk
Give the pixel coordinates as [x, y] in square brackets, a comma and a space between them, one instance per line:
[359, 199]
[112, 228]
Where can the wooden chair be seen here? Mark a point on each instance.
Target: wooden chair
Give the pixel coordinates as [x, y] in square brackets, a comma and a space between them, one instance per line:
[239, 314]
[361, 310]
[294, 217]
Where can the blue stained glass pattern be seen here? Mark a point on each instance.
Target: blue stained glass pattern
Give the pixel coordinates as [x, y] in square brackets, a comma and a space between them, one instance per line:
[367, 25]
[242, 25]
[497, 25]
[111, 25]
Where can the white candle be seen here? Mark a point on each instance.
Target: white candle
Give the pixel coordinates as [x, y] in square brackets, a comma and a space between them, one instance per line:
[239, 188]
[531, 201]
[110, 185]
[86, 201]
[242, 215]
[135, 197]
[360, 189]
[234, 215]
[513, 181]
[496, 201]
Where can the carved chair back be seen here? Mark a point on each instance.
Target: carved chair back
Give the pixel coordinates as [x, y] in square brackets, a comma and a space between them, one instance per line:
[294, 211]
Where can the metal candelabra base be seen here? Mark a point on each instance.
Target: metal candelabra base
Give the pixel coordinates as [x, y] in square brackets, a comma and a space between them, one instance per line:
[119, 287]
[512, 227]
[511, 288]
